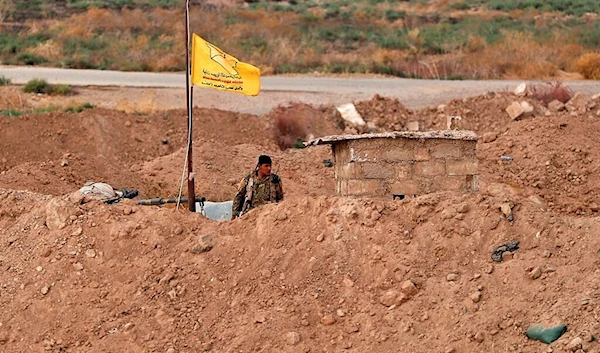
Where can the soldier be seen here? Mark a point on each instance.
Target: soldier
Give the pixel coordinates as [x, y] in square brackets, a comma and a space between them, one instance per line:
[257, 188]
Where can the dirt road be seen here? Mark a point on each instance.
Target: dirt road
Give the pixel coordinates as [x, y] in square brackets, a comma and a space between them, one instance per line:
[166, 90]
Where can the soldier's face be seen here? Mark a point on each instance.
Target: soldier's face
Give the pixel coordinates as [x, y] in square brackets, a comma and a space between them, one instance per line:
[264, 169]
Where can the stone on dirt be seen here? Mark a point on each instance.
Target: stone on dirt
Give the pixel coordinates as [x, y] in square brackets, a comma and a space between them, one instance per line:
[328, 320]
[515, 110]
[292, 338]
[556, 106]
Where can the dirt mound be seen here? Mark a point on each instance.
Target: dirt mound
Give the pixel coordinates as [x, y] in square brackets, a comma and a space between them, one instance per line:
[316, 272]
[332, 273]
[384, 114]
[295, 123]
[553, 158]
[220, 168]
[119, 137]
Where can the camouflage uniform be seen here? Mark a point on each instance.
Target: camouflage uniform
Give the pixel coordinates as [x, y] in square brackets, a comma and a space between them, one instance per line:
[263, 191]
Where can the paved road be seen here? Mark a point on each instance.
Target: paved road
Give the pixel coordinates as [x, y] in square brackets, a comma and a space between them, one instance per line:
[280, 89]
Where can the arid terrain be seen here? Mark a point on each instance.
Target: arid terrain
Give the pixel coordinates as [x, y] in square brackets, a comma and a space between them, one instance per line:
[317, 272]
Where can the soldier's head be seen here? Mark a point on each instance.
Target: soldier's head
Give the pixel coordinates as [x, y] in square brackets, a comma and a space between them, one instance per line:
[264, 165]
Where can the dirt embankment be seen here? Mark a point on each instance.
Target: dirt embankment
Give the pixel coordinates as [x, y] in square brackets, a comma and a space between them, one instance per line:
[317, 272]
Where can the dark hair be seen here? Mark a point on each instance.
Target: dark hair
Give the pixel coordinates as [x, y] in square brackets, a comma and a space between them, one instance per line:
[264, 159]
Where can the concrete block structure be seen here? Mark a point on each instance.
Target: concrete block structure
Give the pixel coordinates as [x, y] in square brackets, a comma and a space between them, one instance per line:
[403, 163]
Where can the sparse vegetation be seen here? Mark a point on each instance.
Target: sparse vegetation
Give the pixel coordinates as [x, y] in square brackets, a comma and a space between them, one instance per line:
[288, 130]
[37, 86]
[42, 86]
[503, 39]
[551, 91]
[4, 81]
[80, 108]
[589, 66]
[16, 113]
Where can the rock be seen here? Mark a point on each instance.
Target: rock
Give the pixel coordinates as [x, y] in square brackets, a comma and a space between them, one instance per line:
[596, 96]
[527, 107]
[408, 288]
[413, 126]
[476, 297]
[46, 252]
[260, 318]
[78, 266]
[535, 273]
[39, 268]
[579, 102]
[320, 237]
[515, 110]
[64, 163]
[463, 208]
[178, 230]
[522, 89]
[450, 350]
[575, 344]
[452, 277]
[448, 213]
[328, 320]
[171, 350]
[127, 210]
[201, 248]
[340, 313]
[292, 338]
[489, 269]
[389, 297]
[77, 232]
[489, 137]
[507, 211]
[45, 290]
[479, 337]
[128, 124]
[90, 253]
[507, 256]
[546, 335]
[556, 106]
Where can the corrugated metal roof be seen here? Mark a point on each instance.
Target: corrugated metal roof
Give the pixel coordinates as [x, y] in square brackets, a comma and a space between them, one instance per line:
[438, 134]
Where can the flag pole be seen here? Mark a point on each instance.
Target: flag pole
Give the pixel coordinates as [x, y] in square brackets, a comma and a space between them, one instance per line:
[189, 101]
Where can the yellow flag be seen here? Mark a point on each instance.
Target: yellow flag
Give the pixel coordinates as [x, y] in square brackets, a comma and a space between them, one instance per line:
[213, 68]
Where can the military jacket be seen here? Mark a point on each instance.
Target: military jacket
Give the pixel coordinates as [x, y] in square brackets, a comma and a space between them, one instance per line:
[262, 191]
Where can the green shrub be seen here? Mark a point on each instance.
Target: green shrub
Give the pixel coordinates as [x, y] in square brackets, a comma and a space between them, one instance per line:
[80, 108]
[4, 81]
[37, 86]
[61, 90]
[11, 113]
[42, 86]
[48, 109]
[31, 59]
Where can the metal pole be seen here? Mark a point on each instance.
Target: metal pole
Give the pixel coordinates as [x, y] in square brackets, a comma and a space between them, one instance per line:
[189, 100]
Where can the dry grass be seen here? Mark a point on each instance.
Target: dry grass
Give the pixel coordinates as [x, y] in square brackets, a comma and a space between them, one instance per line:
[589, 66]
[12, 98]
[414, 42]
[521, 56]
[288, 129]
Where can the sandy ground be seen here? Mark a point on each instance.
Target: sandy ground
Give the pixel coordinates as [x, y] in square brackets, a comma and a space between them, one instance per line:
[315, 273]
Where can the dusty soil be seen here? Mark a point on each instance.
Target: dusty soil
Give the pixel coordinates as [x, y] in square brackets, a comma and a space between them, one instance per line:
[314, 273]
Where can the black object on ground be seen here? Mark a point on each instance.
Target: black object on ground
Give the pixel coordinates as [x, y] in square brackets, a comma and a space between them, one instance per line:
[498, 251]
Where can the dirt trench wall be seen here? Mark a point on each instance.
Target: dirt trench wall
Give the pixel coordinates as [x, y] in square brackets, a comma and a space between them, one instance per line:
[404, 167]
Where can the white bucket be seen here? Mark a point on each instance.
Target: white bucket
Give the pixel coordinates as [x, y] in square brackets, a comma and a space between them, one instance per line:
[218, 211]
